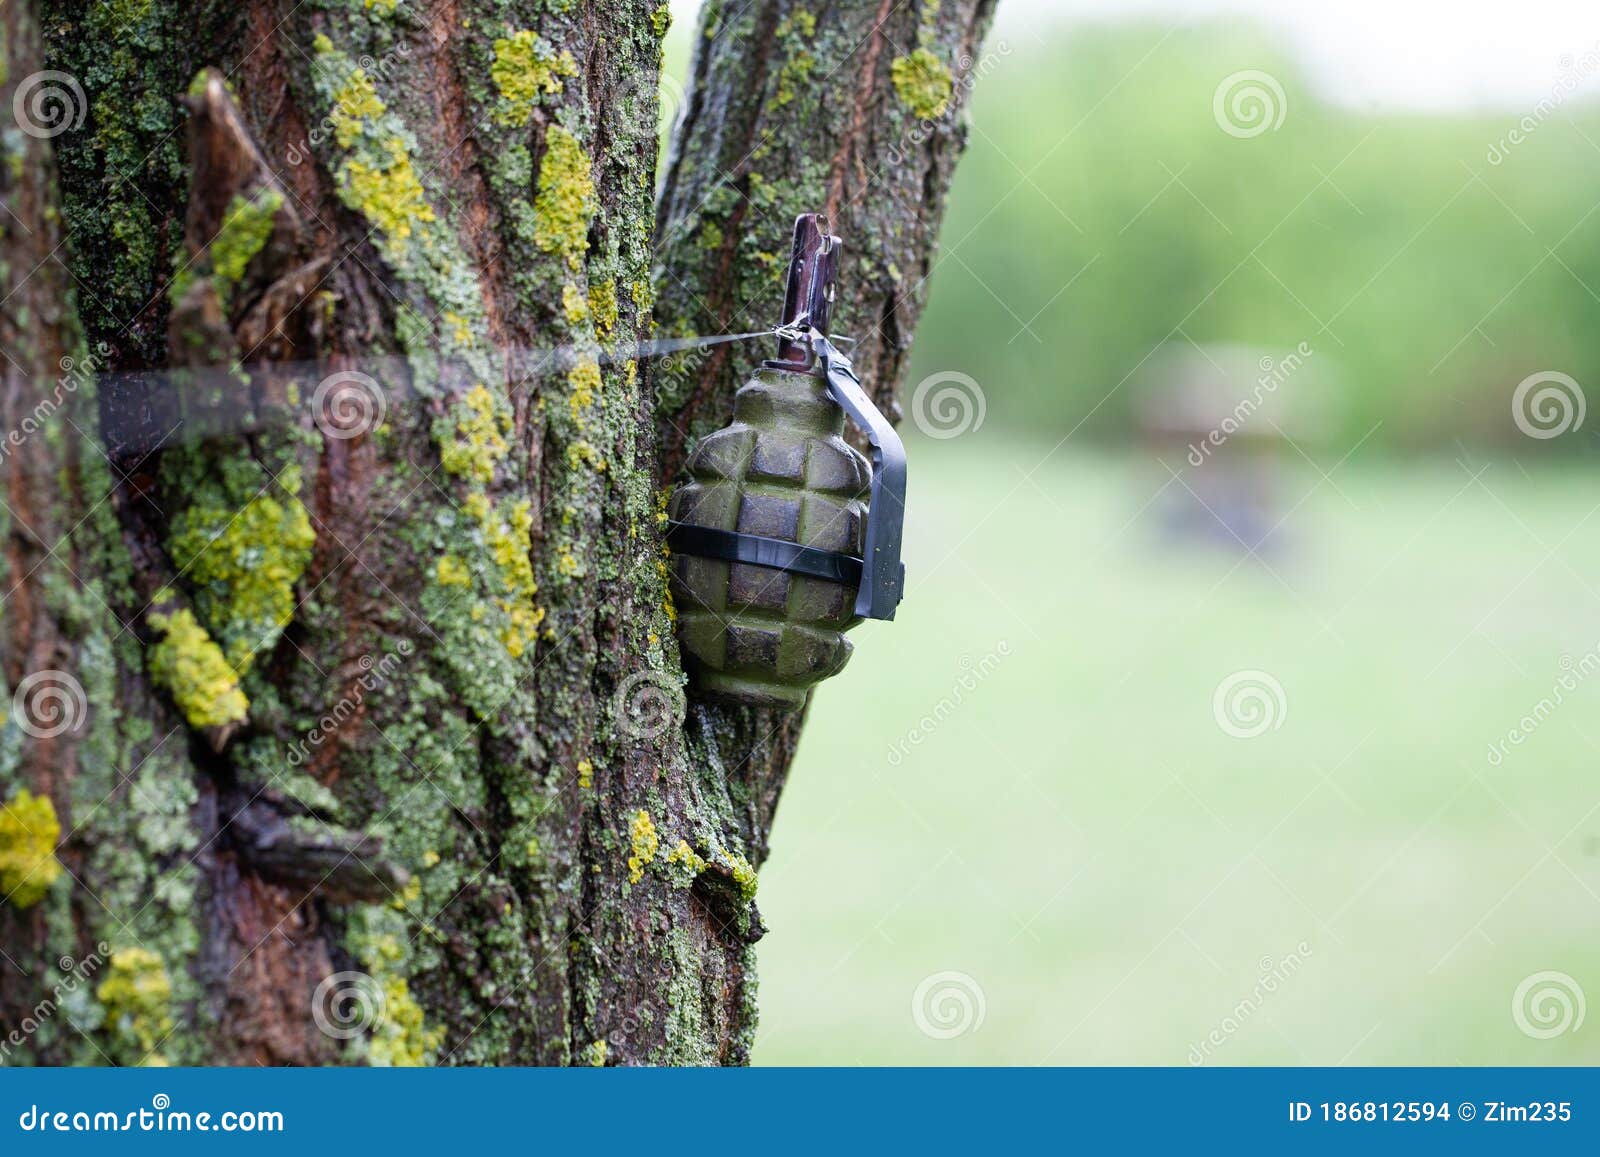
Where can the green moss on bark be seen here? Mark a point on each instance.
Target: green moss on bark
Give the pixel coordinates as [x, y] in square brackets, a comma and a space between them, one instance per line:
[122, 172]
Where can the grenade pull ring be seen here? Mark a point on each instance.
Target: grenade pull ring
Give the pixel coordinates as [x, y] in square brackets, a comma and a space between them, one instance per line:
[784, 536]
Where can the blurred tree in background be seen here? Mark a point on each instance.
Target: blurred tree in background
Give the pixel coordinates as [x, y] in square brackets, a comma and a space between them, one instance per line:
[1103, 211]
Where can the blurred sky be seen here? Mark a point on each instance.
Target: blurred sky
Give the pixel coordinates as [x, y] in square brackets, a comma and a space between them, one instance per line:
[1384, 53]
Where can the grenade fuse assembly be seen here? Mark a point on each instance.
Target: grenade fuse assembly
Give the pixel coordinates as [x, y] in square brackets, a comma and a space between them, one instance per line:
[784, 536]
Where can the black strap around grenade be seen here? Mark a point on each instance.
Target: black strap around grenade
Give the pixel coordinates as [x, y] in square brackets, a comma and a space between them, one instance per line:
[758, 550]
[882, 583]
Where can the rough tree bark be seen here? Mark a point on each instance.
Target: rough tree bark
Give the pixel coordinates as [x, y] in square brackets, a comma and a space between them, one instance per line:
[326, 742]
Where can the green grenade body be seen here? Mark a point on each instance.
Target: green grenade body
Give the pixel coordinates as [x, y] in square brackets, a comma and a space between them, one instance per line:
[780, 470]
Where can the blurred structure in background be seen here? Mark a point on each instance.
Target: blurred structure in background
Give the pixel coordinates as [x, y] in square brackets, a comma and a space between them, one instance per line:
[1221, 419]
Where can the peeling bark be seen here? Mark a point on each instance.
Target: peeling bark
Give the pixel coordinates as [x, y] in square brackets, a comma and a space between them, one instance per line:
[359, 736]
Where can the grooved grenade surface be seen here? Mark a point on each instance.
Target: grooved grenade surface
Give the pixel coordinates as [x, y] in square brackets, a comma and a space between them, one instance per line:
[780, 470]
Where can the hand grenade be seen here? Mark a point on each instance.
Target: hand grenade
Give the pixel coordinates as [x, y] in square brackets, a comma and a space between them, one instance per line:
[784, 536]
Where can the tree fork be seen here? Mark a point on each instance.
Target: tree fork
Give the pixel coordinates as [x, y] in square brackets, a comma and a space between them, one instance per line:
[418, 777]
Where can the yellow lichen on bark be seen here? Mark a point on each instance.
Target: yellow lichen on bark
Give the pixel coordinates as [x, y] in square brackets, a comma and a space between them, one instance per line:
[29, 831]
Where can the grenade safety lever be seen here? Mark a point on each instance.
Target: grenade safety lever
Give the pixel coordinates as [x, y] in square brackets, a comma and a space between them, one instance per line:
[883, 575]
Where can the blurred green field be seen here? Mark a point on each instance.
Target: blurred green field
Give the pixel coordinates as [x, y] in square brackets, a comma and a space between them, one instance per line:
[1111, 869]
[1074, 833]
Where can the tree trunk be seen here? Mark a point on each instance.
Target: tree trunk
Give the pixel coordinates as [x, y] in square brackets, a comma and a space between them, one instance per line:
[348, 722]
